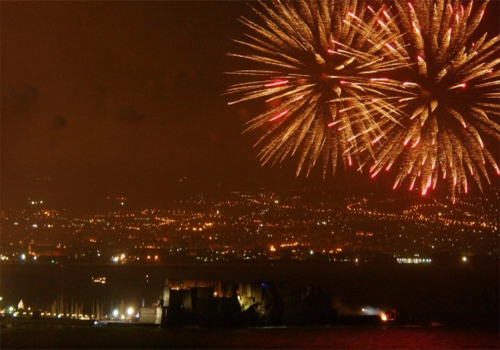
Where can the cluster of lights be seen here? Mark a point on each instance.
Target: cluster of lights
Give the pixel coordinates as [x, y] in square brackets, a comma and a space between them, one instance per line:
[99, 280]
[23, 257]
[286, 245]
[473, 220]
[117, 258]
[122, 258]
[129, 313]
[413, 261]
[20, 312]
[61, 315]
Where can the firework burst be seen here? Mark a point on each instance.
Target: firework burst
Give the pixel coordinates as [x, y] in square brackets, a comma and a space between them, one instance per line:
[320, 69]
[454, 93]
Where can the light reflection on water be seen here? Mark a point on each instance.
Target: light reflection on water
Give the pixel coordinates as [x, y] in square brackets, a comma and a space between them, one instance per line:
[264, 338]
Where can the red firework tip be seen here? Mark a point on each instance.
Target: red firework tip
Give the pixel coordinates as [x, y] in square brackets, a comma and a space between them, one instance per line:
[412, 184]
[411, 6]
[375, 173]
[350, 161]
[279, 116]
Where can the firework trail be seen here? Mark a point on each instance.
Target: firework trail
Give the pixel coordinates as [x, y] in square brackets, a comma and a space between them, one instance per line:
[320, 68]
[454, 87]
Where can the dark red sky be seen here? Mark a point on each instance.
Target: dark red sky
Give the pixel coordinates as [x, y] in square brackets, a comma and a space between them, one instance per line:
[122, 98]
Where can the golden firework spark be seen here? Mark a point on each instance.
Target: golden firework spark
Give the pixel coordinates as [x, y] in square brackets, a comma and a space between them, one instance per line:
[321, 67]
[454, 98]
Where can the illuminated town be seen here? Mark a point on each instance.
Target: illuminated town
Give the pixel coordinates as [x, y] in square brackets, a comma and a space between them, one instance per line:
[257, 226]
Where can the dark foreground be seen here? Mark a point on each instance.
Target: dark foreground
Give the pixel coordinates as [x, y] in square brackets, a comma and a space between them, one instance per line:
[40, 336]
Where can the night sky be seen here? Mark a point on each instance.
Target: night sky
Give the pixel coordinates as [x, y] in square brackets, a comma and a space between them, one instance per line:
[125, 99]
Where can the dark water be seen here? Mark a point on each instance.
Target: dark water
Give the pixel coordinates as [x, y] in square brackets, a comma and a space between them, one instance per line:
[136, 337]
[452, 295]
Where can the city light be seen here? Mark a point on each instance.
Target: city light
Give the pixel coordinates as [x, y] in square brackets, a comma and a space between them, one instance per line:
[409, 233]
[130, 311]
